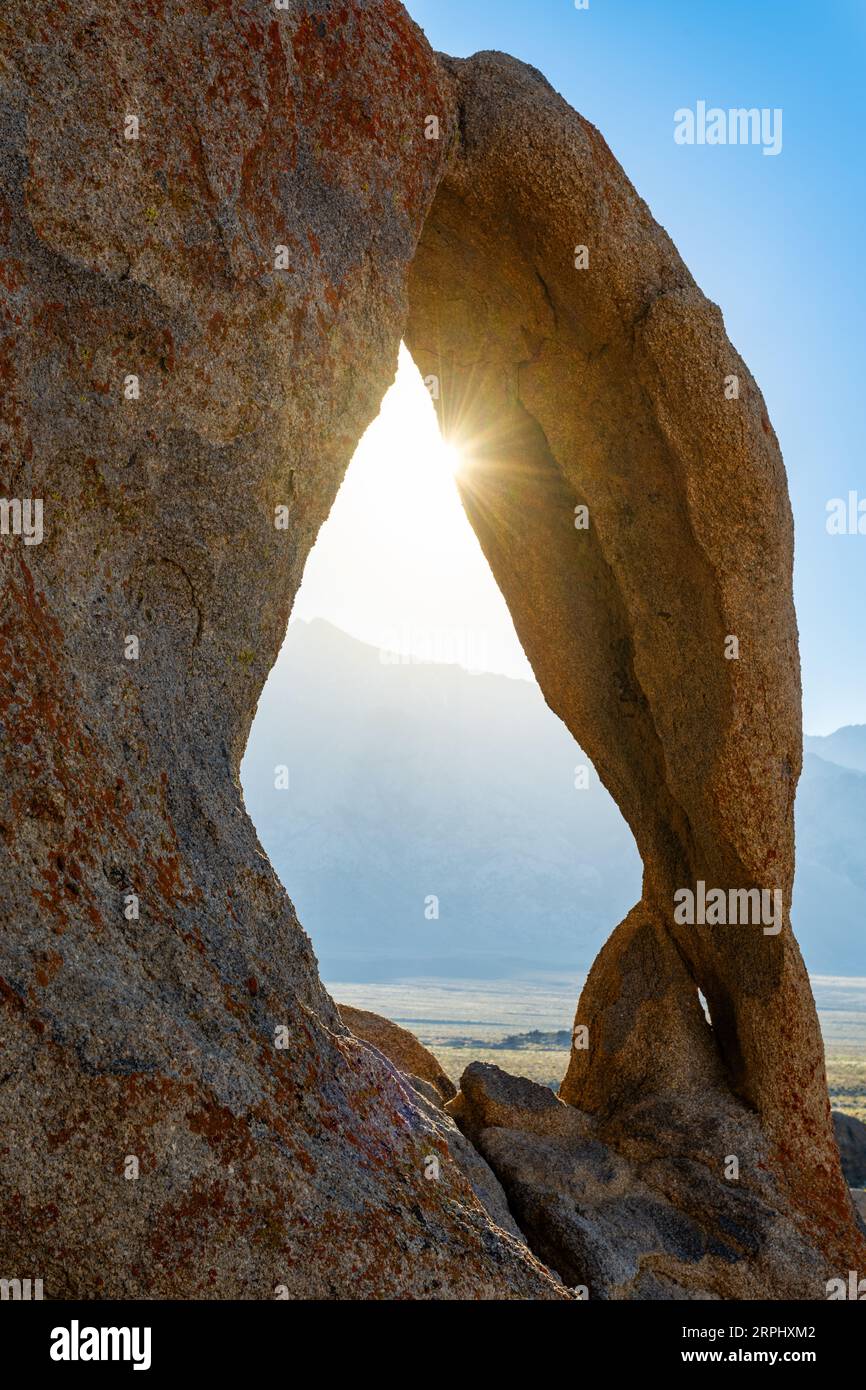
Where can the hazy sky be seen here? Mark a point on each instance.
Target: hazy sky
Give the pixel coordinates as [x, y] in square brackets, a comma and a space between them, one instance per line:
[777, 241]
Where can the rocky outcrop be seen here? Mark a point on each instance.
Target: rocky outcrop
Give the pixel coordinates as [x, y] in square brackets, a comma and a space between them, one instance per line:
[209, 224]
[183, 1112]
[403, 1049]
[419, 1067]
[627, 488]
[651, 1218]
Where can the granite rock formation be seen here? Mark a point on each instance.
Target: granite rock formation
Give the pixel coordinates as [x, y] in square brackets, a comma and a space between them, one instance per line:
[193, 1044]
[642, 1215]
[209, 218]
[627, 488]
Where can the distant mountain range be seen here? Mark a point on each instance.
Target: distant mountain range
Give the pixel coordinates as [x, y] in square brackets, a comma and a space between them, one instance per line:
[846, 748]
[409, 782]
[829, 910]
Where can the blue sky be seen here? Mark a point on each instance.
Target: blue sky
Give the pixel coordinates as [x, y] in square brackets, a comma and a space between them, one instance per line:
[777, 242]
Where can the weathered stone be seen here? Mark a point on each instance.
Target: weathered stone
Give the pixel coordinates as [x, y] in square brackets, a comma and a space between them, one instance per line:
[273, 1148]
[642, 1220]
[490, 1097]
[636, 518]
[197, 326]
[402, 1047]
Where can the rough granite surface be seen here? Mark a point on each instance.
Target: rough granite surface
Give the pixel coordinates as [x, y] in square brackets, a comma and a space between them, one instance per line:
[274, 1150]
[402, 1047]
[196, 326]
[634, 511]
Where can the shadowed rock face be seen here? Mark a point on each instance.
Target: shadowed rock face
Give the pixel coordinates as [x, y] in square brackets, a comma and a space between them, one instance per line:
[272, 1147]
[646, 1215]
[302, 1164]
[851, 1137]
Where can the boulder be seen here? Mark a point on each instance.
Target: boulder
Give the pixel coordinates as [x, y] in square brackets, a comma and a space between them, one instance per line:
[656, 1219]
[403, 1049]
[851, 1138]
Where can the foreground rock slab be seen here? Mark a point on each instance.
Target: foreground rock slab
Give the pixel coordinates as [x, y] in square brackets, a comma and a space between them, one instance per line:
[650, 1217]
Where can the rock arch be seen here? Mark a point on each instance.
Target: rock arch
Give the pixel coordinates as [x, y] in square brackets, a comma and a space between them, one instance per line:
[606, 387]
[196, 1036]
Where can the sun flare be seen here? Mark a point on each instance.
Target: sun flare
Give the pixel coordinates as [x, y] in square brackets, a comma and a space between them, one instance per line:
[452, 459]
[397, 563]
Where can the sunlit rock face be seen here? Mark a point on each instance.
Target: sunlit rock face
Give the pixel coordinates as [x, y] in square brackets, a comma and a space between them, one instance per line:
[627, 488]
[209, 213]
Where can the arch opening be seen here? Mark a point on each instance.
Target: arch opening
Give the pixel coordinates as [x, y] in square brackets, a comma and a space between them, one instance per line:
[449, 848]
